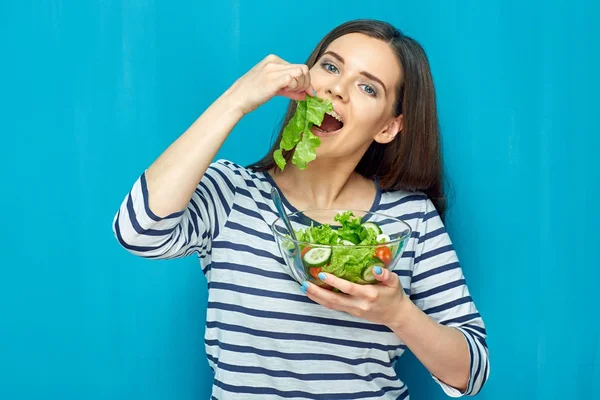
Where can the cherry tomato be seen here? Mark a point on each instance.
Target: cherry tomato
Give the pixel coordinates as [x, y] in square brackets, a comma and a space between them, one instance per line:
[384, 254]
[314, 272]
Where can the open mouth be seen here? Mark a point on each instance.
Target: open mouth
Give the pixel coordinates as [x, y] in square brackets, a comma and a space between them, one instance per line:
[330, 125]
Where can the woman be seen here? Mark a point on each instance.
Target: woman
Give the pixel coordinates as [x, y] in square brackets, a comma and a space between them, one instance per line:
[266, 337]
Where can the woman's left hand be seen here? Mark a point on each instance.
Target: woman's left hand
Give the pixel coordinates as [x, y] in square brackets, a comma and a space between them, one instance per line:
[380, 303]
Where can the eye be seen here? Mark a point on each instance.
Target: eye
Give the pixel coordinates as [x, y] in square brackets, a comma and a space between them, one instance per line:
[370, 90]
[330, 67]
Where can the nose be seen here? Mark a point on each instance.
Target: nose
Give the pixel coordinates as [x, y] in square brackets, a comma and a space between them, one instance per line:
[337, 90]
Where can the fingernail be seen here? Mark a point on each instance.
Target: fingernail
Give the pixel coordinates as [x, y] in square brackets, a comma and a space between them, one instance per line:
[304, 286]
[314, 92]
[378, 270]
[322, 276]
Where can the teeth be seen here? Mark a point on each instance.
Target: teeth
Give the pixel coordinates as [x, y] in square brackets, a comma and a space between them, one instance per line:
[335, 115]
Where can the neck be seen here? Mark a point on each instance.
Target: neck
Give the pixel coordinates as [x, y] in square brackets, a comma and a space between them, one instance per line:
[322, 184]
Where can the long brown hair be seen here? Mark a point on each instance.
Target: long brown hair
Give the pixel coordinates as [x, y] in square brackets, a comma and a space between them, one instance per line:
[413, 160]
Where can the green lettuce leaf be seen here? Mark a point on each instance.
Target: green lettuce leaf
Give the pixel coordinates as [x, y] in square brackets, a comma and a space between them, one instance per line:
[348, 262]
[297, 132]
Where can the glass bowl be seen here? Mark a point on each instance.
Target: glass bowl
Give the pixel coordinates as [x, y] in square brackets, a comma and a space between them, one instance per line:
[350, 253]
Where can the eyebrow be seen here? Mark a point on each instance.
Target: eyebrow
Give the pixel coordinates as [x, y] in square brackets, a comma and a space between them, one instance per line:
[364, 73]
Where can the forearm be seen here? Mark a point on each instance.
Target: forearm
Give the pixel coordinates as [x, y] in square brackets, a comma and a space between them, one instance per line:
[174, 176]
[442, 350]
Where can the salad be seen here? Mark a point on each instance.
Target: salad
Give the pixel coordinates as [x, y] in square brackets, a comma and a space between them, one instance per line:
[297, 135]
[349, 252]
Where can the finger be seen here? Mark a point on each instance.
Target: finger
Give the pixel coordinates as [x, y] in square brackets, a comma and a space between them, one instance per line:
[286, 82]
[386, 277]
[300, 73]
[343, 285]
[327, 298]
[291, 94]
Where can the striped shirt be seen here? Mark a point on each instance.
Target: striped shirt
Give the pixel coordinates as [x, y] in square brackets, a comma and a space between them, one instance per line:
[264, 338]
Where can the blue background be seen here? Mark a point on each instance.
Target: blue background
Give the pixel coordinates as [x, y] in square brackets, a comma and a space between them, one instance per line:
[92, 91]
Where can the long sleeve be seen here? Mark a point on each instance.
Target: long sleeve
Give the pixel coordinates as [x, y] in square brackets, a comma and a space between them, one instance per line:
[187, 231]
[439, 288]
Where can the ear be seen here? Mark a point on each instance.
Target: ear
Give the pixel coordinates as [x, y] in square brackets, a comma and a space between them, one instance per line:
[390, 130]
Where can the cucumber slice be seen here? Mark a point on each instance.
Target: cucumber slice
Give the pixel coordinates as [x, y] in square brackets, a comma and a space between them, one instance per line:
[347, 243]
[372, 226]
[317, 256]
[367, 274]
[384, 237]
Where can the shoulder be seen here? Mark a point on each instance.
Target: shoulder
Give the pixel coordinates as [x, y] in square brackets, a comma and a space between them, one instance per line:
[415, 208]
[403, 202]
[236, 174]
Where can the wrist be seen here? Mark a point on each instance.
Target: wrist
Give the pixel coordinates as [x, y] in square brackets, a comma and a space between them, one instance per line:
[404, 314]
[233, 102]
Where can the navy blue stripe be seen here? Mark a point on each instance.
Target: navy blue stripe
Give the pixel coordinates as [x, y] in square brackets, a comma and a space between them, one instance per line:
[402, 272]
[485, 370]
[476, 375]
[252, 232]
[404, 200]
[403, 395]
[320, 376]
[432, 234]
[249, 213]
[408, 254]
[260, 292]
[301, 336]
[254, 174]
[213, 207]
[415, 215]
[253, 184]
[433, 253]
[435, 271]
[297, 393]
[296, 356]
[260, 205]
[252, 270]
[265, 293]
[224, 202]
[190, 232]
[449, 305]
[470, 382]
[225, 178]
[248, 249]
[476, 328]
[475, 335]
[138, 228]
[141, 249]
[462, 318]
[430, 215]
[196, 215]
[207, 268]
[297, 317]
[147, 205]
[438, 289]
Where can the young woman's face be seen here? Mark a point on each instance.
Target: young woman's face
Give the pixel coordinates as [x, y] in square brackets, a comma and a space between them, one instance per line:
[359, 75]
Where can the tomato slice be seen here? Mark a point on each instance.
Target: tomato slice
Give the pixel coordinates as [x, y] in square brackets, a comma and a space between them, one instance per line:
[384, 254]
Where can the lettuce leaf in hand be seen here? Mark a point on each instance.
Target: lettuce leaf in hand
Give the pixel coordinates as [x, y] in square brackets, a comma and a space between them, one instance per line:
[297, 132]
